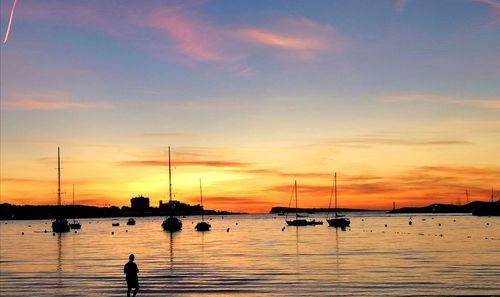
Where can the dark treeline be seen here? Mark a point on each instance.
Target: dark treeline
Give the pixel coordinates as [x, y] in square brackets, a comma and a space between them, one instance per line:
[35, 212]
[479, 208]
[280, 209]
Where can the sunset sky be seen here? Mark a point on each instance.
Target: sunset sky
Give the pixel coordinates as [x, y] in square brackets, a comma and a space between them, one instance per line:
[400, 98]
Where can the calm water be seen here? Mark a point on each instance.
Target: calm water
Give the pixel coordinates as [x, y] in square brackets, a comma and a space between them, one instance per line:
[256, 258]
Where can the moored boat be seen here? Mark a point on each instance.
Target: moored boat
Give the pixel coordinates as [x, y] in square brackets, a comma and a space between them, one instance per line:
[338, 221]
[300, 222]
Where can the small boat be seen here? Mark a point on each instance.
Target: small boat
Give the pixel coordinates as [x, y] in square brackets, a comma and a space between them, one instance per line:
[202, 226]
[301, 222]
[75, 225]
[171, 224]
[115, 223]
[60, 224]
[338, 221]
[131, 222]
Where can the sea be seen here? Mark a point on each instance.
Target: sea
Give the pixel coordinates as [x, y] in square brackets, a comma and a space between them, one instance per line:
[256, 255]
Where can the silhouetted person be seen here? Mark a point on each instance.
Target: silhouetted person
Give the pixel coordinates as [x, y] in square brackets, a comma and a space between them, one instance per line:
[131, 271]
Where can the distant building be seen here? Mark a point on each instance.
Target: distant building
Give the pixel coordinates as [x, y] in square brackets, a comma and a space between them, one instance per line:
[139, 203]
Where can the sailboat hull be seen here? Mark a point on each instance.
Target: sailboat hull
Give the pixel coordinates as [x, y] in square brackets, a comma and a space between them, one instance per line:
[60, 226]
[303, 223]
[172, 224]
[339, 222]
[75, 226]
[202, 226]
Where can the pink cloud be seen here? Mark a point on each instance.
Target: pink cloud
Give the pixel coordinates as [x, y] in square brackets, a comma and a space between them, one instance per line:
[301, 37]
[493, 5]
[398, 5]
[191, 37]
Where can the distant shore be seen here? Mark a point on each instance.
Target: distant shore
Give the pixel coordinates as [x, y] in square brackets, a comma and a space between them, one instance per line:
[41, 212]
[479, 208]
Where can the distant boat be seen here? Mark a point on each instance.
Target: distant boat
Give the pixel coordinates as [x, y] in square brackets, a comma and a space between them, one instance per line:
[202, 226]
[337, 221]
[131, 222]
[60, 224]
[171, 224]
[115, 224]
[75, 224]
[297, 221]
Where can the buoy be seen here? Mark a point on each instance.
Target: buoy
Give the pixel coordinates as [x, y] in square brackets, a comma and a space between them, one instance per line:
[22, 233]
[112, 232]
[53, 234]
[439, 224]
[29, 226]
[236, 223]
[487, 224]
[409, 223]
[75, 231]
[227, 230]
[386, 225]
[441, 235]
[362, 220]
[283, 229]
[45, 231]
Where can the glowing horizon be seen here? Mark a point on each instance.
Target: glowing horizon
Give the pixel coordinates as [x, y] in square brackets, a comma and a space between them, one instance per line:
[400, 98]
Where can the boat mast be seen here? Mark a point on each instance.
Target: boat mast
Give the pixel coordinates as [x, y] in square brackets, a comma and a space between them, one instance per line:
[296, 208]
[335, 183]
[58, 176]
[201, 198]
[330, 202]
[169, 177]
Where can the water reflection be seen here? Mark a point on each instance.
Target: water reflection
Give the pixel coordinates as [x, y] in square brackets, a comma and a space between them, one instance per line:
[59, 270]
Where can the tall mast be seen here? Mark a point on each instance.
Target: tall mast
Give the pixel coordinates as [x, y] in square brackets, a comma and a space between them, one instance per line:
[201, 198]
[58, 176]
[335, 183]
[330, 202]
[169, 177]
[296, 209]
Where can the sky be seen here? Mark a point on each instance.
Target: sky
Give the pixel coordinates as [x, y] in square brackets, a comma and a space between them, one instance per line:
[400, 98]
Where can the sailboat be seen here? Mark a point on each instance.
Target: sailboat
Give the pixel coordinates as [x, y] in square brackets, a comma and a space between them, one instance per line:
[75, 224]
[297, 221]
[202, 226]
[337, 221]
[60, 224]
[171, 223]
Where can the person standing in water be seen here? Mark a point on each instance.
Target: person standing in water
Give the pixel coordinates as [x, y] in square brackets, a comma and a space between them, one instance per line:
[131, 271]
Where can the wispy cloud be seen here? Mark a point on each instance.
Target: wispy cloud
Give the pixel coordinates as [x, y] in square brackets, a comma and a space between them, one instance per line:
[398, 5]
[418, 97]
[184, 163]
[47, 100]
[380, 140]
[301, 37]
[493, 5]
[191, 36]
